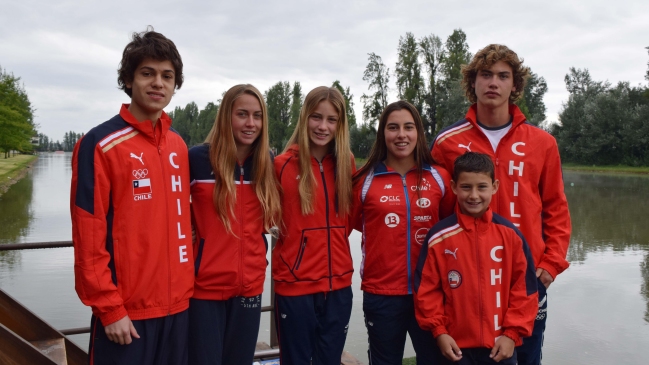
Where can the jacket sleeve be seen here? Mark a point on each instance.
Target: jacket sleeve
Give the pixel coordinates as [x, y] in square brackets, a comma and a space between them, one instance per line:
[447, 204]
[90, 206]
[429, 294]
[523, 297]
[355, 217]
[555, 214]
[438, 156]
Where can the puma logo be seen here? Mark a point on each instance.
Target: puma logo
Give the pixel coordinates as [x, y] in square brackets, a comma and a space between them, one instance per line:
[133, 155]
[468, 147]
[449, 252]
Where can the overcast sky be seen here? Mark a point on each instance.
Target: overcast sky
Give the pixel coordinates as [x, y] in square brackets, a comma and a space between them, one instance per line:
[67, 52]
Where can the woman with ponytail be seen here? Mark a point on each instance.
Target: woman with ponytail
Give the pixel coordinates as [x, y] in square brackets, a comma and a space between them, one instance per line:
[312, 264]
[234, 203]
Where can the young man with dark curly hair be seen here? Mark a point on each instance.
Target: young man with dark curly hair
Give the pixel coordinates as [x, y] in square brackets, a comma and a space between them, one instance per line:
[130, 217]
[527, 164]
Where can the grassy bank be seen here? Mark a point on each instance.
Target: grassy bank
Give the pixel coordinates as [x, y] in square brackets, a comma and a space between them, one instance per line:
[13, 169]
[609, 169]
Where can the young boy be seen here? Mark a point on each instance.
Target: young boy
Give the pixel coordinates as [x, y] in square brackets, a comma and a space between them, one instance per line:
[475, 280]
[130, 217]
[527, 164]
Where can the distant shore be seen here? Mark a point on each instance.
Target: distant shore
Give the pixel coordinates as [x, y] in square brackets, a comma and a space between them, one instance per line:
[13, 169]
[619, 169]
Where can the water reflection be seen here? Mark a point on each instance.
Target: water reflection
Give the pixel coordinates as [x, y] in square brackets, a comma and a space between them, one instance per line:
[16, 210]
[607, 213]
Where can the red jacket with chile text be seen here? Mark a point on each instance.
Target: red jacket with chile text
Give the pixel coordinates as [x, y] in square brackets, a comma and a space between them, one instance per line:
[476, 281]
[531, 193]
[131, 223]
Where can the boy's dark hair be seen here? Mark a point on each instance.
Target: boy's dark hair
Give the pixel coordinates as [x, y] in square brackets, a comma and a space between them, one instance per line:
[473, 162]
[484, 59]
[148, 44]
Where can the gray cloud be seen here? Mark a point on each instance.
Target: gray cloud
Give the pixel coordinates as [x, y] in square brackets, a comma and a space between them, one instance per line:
[67, 52]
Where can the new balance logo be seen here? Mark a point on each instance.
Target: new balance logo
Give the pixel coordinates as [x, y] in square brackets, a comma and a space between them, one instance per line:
[388, 186]
[449, 252]
[133, 155]
[468, 147]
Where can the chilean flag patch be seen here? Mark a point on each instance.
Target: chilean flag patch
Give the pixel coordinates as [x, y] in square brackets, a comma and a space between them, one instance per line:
[142, 186]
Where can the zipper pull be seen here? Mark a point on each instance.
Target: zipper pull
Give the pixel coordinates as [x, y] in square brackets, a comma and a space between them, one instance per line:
[403, 179]
[321, 169]
[241, 167]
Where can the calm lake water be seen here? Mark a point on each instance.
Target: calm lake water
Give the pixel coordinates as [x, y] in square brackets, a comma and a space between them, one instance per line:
[598, 308]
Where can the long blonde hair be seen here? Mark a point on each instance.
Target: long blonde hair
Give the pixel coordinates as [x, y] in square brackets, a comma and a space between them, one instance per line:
[223, 158]
[340, 149]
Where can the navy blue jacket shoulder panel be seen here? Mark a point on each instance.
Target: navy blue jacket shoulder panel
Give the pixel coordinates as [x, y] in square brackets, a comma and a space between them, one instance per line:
[85, 192]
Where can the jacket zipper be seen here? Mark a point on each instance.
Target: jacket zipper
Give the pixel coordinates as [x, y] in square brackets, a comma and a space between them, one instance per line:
[157, 144]
[477, 249]
[324, 183]
[407, 199]
[240, 224]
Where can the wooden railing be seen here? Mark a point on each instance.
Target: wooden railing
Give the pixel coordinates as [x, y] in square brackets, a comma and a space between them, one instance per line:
[274, 351]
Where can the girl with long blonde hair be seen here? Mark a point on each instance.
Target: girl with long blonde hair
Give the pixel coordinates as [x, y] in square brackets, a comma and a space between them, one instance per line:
[234, 203]
[312, 264]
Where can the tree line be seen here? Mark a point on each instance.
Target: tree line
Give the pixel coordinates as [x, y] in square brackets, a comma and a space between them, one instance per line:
[46, 144]
[599, 124]
[602, 124]
[16, 115]
[427, 74]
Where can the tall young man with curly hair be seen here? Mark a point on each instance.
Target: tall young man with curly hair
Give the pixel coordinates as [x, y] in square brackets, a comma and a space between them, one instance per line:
[130, 217]
[527, 164]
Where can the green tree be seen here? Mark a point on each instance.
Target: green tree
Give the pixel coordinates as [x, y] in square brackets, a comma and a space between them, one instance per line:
[646, 76]
[297, 98]
[184, 119]
[204, 121]
[378, 76]
[433, 52]
[349, 103]
[532, 103]
[16, 115]
[601, 124]
[452, 103]
[410, 83]
[278, 100]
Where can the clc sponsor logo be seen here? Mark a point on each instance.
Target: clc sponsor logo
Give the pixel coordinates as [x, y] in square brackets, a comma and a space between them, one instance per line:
[423, 218]
[423, 203]
[391, 220]
[420, 235]
[391, 199]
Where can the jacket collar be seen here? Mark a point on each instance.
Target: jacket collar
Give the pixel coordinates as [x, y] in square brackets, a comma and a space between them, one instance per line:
[294, 149]
[517, 115]
[146, 127]
[469, 223]
[380, 168]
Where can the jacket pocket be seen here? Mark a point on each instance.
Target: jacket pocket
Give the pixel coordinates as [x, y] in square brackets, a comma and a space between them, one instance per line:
[300, 254]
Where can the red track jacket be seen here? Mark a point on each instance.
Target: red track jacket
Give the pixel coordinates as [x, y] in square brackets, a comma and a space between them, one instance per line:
[476, 281]
[226, 264]
[312, 254]
[394, 220]
[131, 223]
[531, 186]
